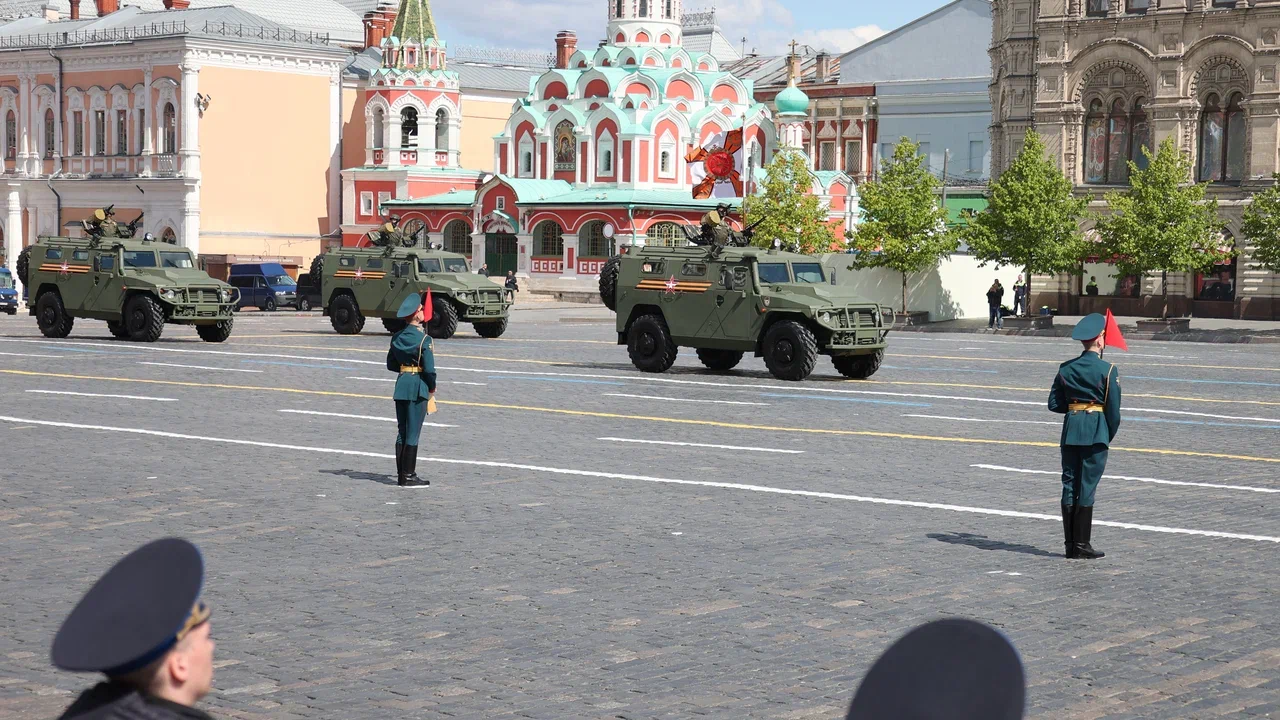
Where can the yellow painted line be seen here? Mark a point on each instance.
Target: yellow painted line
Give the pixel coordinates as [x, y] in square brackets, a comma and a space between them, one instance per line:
[648, 418]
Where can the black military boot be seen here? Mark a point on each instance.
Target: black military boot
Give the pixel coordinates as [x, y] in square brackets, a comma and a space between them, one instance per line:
[400, 474]
[1068, 513]
[1083, 528]
[411, 467]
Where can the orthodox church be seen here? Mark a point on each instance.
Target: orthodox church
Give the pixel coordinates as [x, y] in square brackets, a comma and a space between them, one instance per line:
[593, 157]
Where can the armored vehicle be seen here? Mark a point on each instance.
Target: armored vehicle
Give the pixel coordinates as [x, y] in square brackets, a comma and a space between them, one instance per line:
[356, 283]
[728, 300]
[136, 286]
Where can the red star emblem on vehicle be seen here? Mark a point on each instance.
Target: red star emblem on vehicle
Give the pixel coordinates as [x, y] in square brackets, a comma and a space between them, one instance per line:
[359, 273]
[672, 285]
[64, 269]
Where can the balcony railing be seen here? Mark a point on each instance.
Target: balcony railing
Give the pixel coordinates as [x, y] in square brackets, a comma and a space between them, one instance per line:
[161, 29]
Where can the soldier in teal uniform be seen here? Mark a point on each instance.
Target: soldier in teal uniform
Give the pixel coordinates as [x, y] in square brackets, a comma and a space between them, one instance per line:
[411, 358]
[1087, 391]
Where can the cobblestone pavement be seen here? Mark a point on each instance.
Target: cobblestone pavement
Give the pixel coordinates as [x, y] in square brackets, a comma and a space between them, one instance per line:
[560, 568]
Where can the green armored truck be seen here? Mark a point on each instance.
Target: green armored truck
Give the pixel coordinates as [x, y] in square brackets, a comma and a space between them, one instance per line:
[135, 285]
[725, 300]
[357, 283]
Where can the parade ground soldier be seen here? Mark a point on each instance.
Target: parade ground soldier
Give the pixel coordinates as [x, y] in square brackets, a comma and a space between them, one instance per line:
[143, 625]
[1087, 391]
[411, 358]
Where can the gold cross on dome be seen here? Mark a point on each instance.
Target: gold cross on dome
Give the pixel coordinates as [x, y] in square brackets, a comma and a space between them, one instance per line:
[793, 46]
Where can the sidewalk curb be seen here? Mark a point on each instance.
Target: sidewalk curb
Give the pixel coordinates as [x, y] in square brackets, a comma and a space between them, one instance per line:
[1131, 333]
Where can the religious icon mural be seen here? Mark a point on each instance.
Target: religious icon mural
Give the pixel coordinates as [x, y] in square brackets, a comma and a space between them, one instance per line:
[566, 146]
[1095, 146]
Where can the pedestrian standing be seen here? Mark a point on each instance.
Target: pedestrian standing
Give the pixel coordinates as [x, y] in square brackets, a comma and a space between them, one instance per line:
[411, 358]
[995, 296]
[1087, 391]
[484, 270]
[512, 286]
[1020, 292]
[143, 625]
[1092, 287]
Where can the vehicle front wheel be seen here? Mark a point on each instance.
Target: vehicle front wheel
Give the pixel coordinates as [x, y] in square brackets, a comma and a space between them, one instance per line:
[304, 305]
[217, 332]
[344, 315]
[858, 367]
[790, 350]
[720, 360]
[52, 317]
[393, 325]
[143, 318]
[117, 330]
[269, 305]
[444, 319]
[649, 344]
[490, 329]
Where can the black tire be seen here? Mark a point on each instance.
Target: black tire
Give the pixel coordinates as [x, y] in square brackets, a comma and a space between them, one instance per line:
[393, 325]
[117, 330]
[269, 305]
[720, 360]
[491, 329]
[609, 282]
[858, 367]
[24, 264]
[143, 318]
[790, 350]
[317, 266]
[303, 304]
[344, 315]
[52, 317]
[217, 332]
[444, 319]
[649, 344]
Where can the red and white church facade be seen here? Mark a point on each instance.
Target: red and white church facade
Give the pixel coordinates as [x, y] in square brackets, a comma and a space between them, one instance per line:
[592, 158]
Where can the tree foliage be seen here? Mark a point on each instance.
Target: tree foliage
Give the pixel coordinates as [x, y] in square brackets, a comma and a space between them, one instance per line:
[787, 208]
[1163, 223]
[1032, 220]
[1261, 225]
[903, 226]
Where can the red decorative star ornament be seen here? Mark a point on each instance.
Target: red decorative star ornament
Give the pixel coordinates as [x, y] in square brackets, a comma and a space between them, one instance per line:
[672, 285]
[359, 273]
[717, 167]
[64, 269]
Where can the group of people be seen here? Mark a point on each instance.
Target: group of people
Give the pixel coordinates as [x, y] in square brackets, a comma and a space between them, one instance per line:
[995, 301]
[511, 283]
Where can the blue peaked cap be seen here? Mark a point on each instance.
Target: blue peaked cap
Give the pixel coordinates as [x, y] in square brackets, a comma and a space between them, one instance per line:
[409, 306]
[1090, 327]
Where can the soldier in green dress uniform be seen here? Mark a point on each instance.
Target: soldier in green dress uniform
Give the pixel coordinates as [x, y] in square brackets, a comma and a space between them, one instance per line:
[1087, 391]
[411, 358]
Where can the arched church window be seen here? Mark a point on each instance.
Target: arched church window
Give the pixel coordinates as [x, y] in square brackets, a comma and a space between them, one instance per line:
[379, 129]
[664, 234]
[591, 241]
[1118, 144]
[1222, 137]
[442, 129]
[617, 12]
[1109, 141]
[409, 128]
[49, 133]
[550, 239]
[457, 237]
[526, 162]
[169, 236]
[566, 146]
[1141, 134]
[668, 9]
[604, 154]
[664, 163]
[170, 129]
[10, 136]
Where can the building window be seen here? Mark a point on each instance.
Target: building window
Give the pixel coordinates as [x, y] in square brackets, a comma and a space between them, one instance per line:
[826, 156]
[500, 203]
[667, 13]
[170, 129]
[77, 131]
[1111, 139]
[592, 243]
[379, 129]
[442, 129]
[1224, 3]
[853, 157]
[122, 132]
[550, 239]
[1141, 129]
[1137, 6]
[143, 130]
[617, 10]
[664, 234]
[409, 128]
[526, 156]
[366, 203]
[457, 237]
[977, 151]
[50, 133]
[604, 155]
[99, 132]
[1220, 282]
[169, 236]
[1222, 134]
[1097, 8]
[644, 8]
[10, 136]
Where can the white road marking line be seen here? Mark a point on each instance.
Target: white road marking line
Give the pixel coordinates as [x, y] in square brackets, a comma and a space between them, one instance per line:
[981, 420]
[25, 355]
[227, 353]
[701, 445]
[1215, 486]
[671, 399]
[360, 417]
[1207, 415]
[459, 382]
[199, 367]
[645, 478]
[102, 395]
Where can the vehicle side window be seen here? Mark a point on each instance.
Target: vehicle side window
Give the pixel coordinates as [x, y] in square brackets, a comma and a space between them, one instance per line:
[106, 263]
[259, 282]
[53, 254]
[403, 269]
[429, 265]
[347, 261]
[374, 263]
[80, 255]
[651, 266]
[693, 270]
[774, 273]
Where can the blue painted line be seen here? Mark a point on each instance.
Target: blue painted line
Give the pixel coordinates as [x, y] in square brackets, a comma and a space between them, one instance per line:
[560, 380]
[1202, 422]
[294, 364]
[64, 348]
[933, 369]
[844, 399]
[1203, 382]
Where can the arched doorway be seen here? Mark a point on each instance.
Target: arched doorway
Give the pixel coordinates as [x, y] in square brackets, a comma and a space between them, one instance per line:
[1215, 291]
[457, 237]
[548, 247]
[501, 248]
[169, 236]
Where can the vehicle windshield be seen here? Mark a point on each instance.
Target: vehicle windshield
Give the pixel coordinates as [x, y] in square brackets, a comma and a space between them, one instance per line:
[176, 260]
[429, 265]
[455, 265]
[6, 281]
[774, 273]
[807, 272]
[280, 280]
[139, 259]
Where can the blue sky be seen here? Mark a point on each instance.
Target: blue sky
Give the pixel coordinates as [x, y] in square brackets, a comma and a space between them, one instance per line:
[768, 25]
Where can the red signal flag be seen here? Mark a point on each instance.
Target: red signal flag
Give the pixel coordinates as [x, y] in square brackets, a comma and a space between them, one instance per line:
[1112, 335]
[426, 306]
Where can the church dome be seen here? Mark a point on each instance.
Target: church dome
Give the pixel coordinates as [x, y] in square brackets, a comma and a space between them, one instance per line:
[792, 101]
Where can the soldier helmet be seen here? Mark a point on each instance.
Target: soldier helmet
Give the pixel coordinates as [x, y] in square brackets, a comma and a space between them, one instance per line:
[395, 219]
[99, 215]
[723, 208]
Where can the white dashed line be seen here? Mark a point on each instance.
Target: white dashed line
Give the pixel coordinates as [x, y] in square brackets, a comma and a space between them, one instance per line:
[25, 355]
[1215, 486]
[102, 395]
[198, 367]
[984, 420]
[375, 418]
[701, 445]
[688, 400]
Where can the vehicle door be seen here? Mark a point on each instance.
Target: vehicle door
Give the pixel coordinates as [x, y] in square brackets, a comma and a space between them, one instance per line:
[73, 277]
[401, 281]
[736, 301]
[243, 283]
[106, 294]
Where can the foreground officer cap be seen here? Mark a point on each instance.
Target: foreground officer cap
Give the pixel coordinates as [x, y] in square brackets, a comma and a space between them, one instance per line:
[1089, 327]
[409, 306]
[952, 669]
[136, 612]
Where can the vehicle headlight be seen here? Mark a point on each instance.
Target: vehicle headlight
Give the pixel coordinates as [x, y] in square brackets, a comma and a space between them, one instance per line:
[168, 294]
[826, 317]
[281, 293]
[224, 295]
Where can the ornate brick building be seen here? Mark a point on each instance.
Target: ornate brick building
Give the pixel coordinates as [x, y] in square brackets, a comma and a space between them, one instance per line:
[1100, 79]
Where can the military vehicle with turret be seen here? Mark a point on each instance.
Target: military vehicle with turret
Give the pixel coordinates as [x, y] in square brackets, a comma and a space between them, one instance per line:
[136, 285]
[373, 280]
[723, 298]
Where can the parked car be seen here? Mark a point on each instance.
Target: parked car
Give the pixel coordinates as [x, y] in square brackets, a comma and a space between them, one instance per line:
[308, 292]
[265, 286]
[8, 293]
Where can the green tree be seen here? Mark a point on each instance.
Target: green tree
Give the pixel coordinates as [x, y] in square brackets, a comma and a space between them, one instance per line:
[1163, 223]
[903, 226]
[1033, 219]
[786, 208]
[1262, 226]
